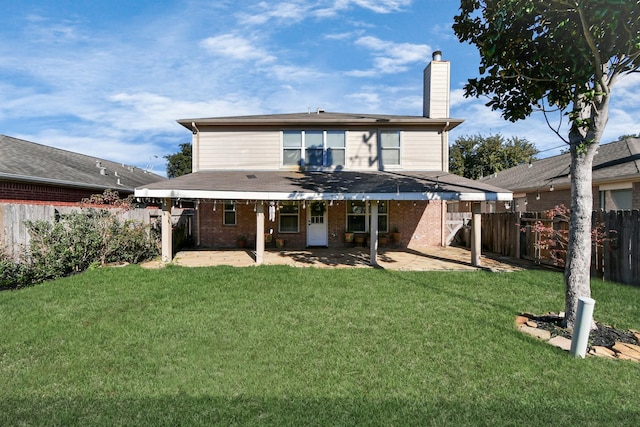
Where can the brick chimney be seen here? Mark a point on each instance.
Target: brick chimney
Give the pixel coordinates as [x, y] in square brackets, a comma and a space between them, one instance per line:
[436, 88]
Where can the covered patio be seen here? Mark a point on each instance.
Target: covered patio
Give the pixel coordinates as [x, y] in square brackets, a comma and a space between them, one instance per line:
[425, 259]
[263, 189]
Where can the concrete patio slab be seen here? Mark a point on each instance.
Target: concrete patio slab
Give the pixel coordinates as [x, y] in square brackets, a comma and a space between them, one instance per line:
[423, 259]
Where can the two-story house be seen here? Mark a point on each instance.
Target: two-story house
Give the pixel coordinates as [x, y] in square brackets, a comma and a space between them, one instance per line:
[308, 177]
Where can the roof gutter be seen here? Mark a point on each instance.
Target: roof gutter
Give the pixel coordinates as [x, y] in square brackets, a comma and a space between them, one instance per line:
[299, 195]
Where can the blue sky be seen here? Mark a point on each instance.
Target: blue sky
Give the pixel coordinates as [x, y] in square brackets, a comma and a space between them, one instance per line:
[109, 78]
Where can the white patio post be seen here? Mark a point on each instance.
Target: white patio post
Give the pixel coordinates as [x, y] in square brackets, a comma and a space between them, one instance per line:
[373, 233]
[476, 235]
[167, 227]
[259, 233]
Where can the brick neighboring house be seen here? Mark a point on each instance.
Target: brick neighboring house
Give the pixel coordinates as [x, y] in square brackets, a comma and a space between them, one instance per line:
[307, 178]
[545, 183]
[38, 174]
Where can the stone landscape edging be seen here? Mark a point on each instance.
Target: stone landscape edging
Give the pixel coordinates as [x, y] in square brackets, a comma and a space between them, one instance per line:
[620, 350]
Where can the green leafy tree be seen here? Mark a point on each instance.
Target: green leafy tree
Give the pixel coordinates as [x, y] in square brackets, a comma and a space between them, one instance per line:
[477, 156]
[629, 136]
[179, 164]
[562, 55]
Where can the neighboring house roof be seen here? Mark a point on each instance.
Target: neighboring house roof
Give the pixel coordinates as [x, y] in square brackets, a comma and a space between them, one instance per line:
[615, 161]
[322, 118]
[336, 185]
[26, 161]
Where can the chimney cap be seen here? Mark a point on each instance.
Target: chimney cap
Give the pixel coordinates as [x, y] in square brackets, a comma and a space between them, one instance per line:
[437, 55]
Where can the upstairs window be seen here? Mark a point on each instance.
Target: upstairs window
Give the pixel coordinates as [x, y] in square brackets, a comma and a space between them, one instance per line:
[335, 148]
[314, 148]
[291, 148]
[390, 148]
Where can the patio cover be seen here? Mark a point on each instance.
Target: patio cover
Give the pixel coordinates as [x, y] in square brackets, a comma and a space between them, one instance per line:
[370, 186]
[323, 185]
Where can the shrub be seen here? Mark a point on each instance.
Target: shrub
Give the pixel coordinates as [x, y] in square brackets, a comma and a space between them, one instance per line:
[80, 240]
[554, 239]
[13, 274]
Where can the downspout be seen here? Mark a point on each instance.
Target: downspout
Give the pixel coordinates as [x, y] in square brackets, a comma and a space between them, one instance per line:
[195, 150]
[195, 165]
[445, 167]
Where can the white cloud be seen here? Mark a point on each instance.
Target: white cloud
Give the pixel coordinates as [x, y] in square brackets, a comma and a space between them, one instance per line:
[625, 91]
[44, 31]
[457, 98]
[286, 13]
[443, 31]
[115, 149]
[383, 6]
[343, 36]
[235, 47]
[372, 100]
[294, 73]
[390, 57]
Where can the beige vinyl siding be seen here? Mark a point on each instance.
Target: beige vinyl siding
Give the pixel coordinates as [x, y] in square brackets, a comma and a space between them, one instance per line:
[362, 149]
[256, 150]
[436, 90]
[421, 150]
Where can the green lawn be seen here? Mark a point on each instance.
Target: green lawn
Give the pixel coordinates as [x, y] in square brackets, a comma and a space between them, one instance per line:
[275, 345]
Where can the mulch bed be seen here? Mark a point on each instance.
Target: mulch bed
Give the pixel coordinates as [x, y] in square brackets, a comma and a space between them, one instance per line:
[604, 335]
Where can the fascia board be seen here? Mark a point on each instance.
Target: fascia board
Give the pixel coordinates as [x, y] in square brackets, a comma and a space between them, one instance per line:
[257, 195]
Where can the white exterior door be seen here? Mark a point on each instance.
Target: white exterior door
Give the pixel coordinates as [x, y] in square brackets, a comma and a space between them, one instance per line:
[317, 231]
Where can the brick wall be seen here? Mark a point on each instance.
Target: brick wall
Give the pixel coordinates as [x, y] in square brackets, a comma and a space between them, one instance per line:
[419, 222]
[551, 199]
[548, 200]
[420, 225]
[17, 192]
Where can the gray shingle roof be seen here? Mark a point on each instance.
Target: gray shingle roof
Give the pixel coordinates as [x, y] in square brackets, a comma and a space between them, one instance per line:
[26, 161]
[394, 185]
[614, 161]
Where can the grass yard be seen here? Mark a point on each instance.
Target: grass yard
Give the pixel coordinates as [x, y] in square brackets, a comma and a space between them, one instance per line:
[275, 345]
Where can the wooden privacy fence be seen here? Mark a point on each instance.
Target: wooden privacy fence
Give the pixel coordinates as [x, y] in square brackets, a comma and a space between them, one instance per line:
[616, 258]
[14, 236]
[620, 251]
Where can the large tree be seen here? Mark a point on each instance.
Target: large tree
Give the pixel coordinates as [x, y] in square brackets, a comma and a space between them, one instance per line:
[477, 156]
[179, 163]
[556, 54]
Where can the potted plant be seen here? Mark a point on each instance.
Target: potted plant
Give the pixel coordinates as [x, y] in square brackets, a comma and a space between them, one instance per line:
[396, 236]
[359, 239]
[268, 237]
[383, 239]
[241, 241]
[348, 236]
[279, 243]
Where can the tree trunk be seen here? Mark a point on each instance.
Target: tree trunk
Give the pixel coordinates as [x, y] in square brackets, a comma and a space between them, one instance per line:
[583, 145]
[578, 266]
